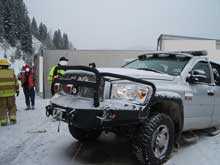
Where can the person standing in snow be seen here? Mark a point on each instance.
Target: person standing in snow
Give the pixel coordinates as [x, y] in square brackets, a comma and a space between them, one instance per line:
[8, 89]
[54, 73]
[27, 79]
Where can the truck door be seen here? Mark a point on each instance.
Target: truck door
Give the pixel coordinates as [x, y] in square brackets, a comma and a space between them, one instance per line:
[216, 114]
[198, 112]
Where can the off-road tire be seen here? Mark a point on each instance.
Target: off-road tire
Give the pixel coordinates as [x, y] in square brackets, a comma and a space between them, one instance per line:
[84, 135]
[145, 138]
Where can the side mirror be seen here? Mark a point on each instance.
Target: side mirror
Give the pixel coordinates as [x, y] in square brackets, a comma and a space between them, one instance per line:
[196, 76]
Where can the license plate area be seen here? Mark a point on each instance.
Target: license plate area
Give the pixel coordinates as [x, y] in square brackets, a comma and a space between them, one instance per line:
[58, 114]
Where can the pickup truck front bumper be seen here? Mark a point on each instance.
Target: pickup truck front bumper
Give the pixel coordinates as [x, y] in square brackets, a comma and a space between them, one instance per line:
[81, 113]
[93, 113]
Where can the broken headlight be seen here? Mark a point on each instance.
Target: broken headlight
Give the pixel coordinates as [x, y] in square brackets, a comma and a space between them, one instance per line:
[136, 93]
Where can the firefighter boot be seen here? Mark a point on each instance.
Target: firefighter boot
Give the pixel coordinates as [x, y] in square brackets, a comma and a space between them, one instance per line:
[3, 111]
[12, 110]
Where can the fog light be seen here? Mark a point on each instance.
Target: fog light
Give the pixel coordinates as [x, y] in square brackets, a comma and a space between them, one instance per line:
[74, 90]
[56, 87]
[68, 88]
[110, 115]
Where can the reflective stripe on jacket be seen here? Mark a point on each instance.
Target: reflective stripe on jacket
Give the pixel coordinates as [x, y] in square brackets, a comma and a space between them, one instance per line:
[8, 83]
[54, 72]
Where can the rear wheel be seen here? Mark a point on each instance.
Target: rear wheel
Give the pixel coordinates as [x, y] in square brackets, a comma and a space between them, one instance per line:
[155, 139]
[84, 135]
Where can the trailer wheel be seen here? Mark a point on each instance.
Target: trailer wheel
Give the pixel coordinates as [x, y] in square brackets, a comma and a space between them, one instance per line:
[84, 135]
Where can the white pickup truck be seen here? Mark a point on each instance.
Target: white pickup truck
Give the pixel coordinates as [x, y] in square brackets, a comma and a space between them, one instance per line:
[151, 100]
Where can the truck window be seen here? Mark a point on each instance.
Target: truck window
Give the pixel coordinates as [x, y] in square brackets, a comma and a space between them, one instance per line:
[172, 65]
[202, 65]
[216, 73]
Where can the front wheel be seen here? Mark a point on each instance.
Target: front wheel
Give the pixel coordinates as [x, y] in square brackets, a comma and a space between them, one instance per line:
[155, 140]
[84, 135]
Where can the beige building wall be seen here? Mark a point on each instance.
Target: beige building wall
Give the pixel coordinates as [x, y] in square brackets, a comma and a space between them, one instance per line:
[214, 53]
[102, 58]
[107, 58]
[170, 45]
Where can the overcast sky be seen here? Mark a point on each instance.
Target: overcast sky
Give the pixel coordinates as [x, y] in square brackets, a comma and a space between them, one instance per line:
[127, 24]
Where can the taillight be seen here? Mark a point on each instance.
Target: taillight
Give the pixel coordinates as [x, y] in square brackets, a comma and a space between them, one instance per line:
[56, 87]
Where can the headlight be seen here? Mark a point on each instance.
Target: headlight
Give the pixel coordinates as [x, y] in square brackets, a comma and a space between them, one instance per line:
[137, 93]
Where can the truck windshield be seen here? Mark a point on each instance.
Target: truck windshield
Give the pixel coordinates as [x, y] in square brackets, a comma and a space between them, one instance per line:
[169, 64]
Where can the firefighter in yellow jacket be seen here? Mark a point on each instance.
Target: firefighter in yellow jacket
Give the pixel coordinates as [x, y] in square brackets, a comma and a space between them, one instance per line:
[8, 89]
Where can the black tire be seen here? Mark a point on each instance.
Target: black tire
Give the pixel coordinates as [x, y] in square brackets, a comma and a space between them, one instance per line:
[84, 135]
[146, 142]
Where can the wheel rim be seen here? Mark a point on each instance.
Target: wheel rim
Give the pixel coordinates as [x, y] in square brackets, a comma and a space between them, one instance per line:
[160, 141]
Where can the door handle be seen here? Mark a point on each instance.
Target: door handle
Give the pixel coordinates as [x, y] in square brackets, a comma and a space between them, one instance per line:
[211, 93]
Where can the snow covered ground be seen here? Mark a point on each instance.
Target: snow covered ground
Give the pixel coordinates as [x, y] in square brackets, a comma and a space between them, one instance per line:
[17, 66]
[34, 140]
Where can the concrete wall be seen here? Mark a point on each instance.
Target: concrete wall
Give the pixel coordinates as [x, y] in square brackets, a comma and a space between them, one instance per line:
[188, 45]
[106, 58]
[102, 58]
[214, 53]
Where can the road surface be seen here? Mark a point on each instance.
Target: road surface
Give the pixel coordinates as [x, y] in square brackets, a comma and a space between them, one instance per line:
[34, 140]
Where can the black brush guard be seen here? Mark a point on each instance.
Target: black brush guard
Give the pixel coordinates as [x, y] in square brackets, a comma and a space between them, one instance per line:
[95, 117]
[98, 76]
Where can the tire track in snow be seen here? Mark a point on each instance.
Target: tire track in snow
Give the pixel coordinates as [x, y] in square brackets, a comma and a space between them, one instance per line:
[13, 153]
[79, 148]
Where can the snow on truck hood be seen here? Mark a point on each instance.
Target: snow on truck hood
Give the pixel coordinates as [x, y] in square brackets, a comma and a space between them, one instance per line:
[138, 73]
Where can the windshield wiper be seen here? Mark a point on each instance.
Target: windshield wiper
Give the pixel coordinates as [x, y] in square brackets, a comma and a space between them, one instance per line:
[148, 69]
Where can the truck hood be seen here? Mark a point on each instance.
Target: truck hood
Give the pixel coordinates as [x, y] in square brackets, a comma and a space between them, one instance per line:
[142, 74]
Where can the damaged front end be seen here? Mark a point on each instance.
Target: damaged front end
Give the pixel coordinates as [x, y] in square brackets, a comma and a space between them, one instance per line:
[90, 99]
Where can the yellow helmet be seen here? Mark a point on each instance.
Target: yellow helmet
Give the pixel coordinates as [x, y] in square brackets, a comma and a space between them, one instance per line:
[4, 62]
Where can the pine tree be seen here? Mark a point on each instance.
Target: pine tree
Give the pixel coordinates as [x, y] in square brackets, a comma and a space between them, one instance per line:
[9, 21]
[26, 38]
[42, 32]
[65, 41]
[55, 40]
[34, 28]
[1, 21]
[49, 42]
[18, 53]
[60, 39]
[20, 14]
[17, 29]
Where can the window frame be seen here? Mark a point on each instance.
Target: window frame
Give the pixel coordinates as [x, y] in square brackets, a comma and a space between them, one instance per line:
[218, 65]
[210, 72]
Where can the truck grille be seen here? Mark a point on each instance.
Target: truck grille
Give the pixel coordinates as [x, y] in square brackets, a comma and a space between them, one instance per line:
[85, 76]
